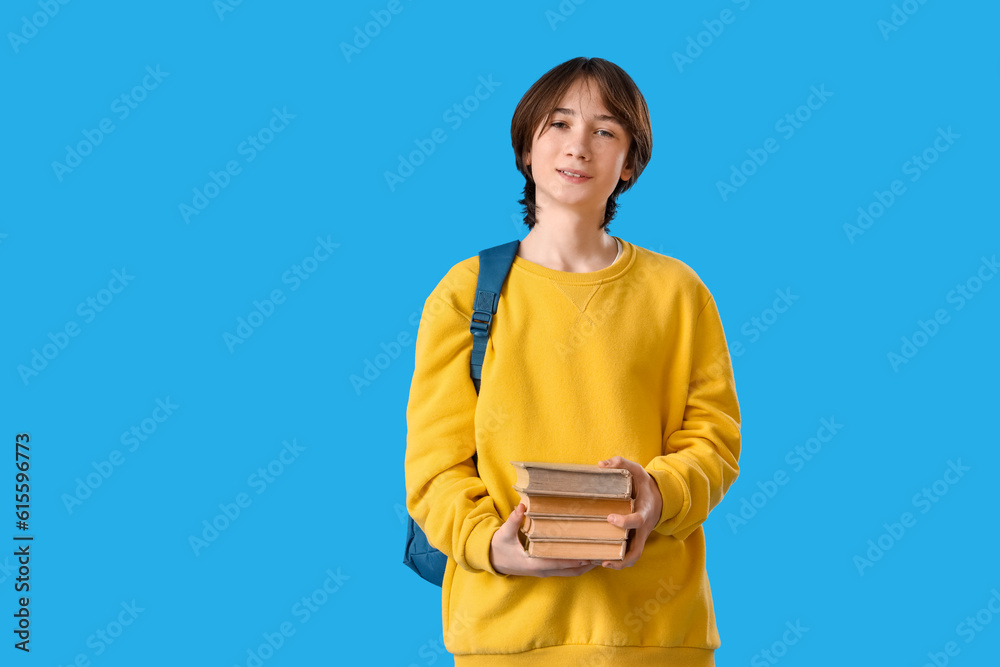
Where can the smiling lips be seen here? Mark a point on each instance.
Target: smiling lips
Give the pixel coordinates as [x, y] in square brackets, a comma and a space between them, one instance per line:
[573, 176]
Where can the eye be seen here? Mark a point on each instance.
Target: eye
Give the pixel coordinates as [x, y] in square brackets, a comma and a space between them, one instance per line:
[560, 123]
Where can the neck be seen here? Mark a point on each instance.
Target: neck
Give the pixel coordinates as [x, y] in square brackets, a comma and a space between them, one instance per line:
[564, 246]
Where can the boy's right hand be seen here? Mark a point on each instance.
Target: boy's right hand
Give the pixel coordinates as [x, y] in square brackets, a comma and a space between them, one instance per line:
[509, 557]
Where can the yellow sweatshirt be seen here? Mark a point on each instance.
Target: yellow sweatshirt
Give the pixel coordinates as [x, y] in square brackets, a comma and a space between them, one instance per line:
[630, 360]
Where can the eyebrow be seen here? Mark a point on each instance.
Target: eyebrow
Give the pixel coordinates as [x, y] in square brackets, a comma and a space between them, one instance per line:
[598, 117]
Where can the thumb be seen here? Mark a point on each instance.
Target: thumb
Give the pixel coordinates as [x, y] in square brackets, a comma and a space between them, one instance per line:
[515, 518]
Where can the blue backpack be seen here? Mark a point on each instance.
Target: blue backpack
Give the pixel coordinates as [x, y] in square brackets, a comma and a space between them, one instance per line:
[494, 265]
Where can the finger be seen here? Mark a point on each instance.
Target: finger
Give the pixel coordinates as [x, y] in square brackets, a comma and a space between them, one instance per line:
[633, 520]
[570, 571]
[557, 563]
[636, 470]
[618, 462]
[615, 462]
[514, 521]
[635, 547]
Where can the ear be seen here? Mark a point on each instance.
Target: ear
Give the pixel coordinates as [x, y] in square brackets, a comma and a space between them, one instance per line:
[626, 173]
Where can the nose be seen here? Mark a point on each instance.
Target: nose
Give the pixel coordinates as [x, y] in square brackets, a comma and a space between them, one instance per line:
[578, 144]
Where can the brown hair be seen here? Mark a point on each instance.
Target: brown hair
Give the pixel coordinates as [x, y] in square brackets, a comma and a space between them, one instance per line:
[618, 93]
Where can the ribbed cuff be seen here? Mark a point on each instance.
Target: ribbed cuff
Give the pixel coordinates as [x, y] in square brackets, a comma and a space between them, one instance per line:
[477, 547]
[672, 493]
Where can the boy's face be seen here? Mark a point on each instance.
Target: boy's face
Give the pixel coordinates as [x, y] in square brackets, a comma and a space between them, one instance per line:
[582, 139]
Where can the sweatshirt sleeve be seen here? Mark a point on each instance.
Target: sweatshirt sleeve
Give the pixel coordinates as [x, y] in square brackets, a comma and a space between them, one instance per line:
[444, 493]
[701, 458]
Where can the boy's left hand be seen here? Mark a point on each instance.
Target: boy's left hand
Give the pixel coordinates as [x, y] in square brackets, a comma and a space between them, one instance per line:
[648, 506]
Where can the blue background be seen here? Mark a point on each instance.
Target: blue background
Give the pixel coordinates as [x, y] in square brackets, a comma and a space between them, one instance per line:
[338, 504]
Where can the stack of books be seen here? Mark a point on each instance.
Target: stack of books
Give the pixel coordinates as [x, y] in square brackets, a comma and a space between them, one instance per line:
[567, 507]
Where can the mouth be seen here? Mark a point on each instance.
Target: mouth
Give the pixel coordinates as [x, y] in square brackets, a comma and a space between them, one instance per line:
[574, 176]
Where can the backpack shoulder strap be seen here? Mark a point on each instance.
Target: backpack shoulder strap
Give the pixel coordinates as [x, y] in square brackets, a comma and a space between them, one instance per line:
[494, 265]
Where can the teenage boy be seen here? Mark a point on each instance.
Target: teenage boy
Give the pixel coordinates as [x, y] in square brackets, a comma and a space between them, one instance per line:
[601, 352]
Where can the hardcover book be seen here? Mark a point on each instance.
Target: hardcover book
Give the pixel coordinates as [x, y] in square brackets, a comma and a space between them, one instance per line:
[567, 507]
[567, 479]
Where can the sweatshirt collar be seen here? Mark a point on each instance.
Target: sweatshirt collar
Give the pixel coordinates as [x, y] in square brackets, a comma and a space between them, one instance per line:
[616, 270]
